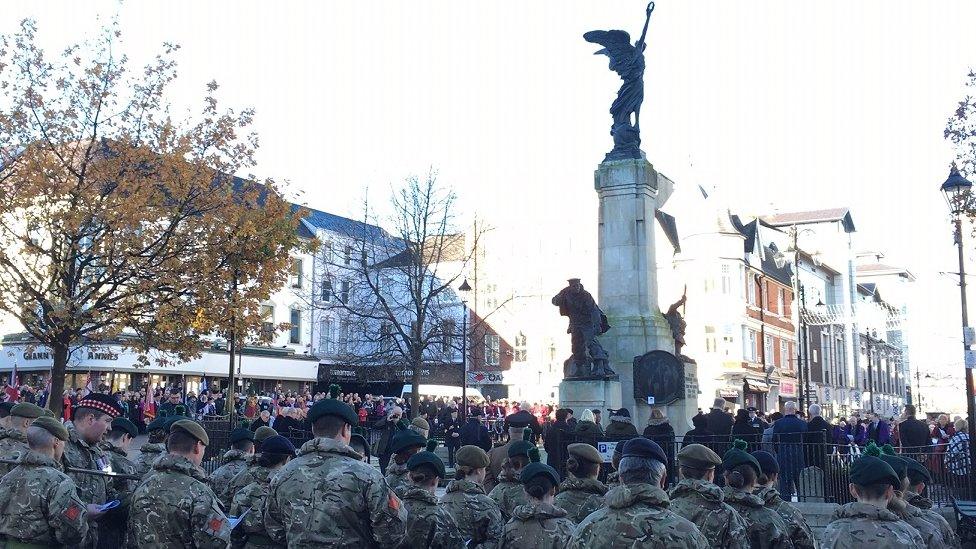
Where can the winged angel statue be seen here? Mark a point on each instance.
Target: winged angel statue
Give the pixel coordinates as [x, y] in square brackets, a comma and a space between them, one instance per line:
[628, 62]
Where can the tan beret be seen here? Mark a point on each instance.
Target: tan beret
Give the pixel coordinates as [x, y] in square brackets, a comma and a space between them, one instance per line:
[471, 456]
[420, 423]
[585, 452]
[52, 426]
[191, 428]
[28, 410]
[263, 433]
[698, 456]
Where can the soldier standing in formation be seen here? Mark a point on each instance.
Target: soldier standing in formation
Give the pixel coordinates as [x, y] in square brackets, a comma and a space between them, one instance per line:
[13, 438]
[476, 514]
[931, 534]
[111, 533]
[245, 477]
[234, 462]
[699, 500]
[174, 506]
[517, 431]
[637, 510]
[151, 451]
[796, 526]
[765, 527]
[581, 493]
[404, 444]
[429, 525]
[868, 522]
[538, 523]
[39, 504]
[508, 493]
[328, 496]
[276, 451]
[918, 477]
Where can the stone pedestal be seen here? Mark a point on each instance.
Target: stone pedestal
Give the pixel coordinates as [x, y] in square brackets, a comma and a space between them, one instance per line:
[580, 394]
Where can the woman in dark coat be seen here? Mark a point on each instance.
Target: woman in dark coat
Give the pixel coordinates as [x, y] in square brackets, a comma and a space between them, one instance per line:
[659, 430]
[744, 430]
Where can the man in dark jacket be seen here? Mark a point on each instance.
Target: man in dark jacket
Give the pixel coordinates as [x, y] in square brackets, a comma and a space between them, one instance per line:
[524, 417]
[389, 425]
[552, 439]
[788, 435]
[720, 426]
[913, 433]
[452, 435]
[817, 437]
[621, 425]
[475, 433]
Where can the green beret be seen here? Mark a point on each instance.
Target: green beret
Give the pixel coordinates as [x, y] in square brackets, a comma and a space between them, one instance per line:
[125, 425]
[191, 428]
[429, 459]
[869, 469]
[28, 410]
[535, 469]
[471, 456]
[241, 433]
[918, 473]
[263, 433]
[698, 456]
[520, 448]
[49, 412]
[585, 452]
[404, 440]
[738, 456]
[52, 426]
[333, 407]
[158, 424]
[898, 464]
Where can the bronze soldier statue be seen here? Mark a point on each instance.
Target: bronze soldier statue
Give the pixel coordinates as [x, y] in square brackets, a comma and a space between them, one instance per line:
[586, 321]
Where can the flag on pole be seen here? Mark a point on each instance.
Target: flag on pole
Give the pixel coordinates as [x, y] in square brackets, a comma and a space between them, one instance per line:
[13, 394]
[89, 387]
[13, 376]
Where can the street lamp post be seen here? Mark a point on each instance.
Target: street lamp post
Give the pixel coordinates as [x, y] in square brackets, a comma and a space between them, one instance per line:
[957, 192]
[464, 289]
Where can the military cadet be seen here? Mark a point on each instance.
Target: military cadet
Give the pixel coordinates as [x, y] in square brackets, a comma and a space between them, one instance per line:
[246, 476]
[429, 525]
[403, 445]
[508, 493]
[517, 425]
[613, 478]
[39, 504]
[766, 529]
[111, 531]
[868, 522]
[174, 506]
[931, 534]
[581, 493]
[538, 523]
[637, 510]
[327, 496]
[796, 526]
[92, 418]
[477, 515]
[699, 500]
[918, 477]
[151, 451]
[13, 439]
[276, 451]
[234, 462]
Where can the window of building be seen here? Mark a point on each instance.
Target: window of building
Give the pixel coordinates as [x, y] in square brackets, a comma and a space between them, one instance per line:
[327, 289]
[784, 355]
[492, 349]
[267, 321]
[344, 291]
[751, 288]
[327, 251]
[711, 344]
[448, 328]
[386, 337]
[326, 336]
[296, 273]
[363, 257]
[781, 301]
[295, 335]
[726, 279]
[344, 336]
[768, 350]
[521, 351]
[347, 256]
[749, 346]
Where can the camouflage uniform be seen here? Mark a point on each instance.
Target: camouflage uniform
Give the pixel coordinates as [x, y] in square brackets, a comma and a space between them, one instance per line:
[477, 515]
[613, 480]
[858, 525]
[174, 507]
[39, 504]
[91, 488]
[13, 444]
[251, 533]
[508, 494]
[766, 529]
[428, 524]
[702, 503]
[111, 527]
[537, 525]
[931, 534]
[148, 455]
[796, 526]
[924, 505]
[637, 515]
[580, 497]
[396, 477]
[328, 497]
[235, 461]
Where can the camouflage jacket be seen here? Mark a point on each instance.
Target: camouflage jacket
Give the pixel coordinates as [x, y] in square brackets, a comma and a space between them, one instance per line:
[39, 504]
[250, 532]
[537, 525]
[931, 534]
[13, 445]
[508, 494]
[637, 515]
[613, 480]
[429, 526]
[477, 515]
[796, 526]
[148, 455]
[174, 507]
[924, 505]
[580, 497]
[858, 525]
[235, 461]
[766, 529]
[119, 488]
[327, 497]
[396, 477]
[80, 454]
[242, 479]
[702, 503]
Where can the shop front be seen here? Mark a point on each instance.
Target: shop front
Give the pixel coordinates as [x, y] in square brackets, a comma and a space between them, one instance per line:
[787, 391]
[754, 393]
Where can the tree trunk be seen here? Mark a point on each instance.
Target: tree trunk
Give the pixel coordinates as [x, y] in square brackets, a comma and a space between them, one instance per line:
[418, 364]
[55, 401]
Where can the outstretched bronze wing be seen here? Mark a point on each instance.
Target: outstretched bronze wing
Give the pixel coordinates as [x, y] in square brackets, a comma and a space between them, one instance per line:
[616, 43]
